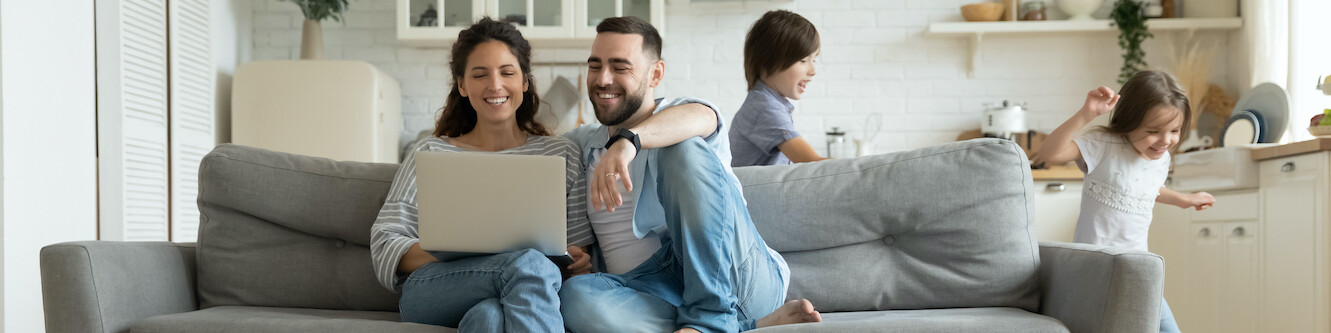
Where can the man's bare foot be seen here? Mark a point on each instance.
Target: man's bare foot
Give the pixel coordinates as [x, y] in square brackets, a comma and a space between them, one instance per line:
[793, 312]
[687, 330]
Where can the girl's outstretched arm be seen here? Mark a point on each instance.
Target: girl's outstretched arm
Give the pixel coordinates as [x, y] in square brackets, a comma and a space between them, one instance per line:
[1058, 147]
[1198, 200]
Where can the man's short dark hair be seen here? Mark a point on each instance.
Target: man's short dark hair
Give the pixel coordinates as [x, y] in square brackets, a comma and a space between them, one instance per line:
[651, 40]
[777, 41]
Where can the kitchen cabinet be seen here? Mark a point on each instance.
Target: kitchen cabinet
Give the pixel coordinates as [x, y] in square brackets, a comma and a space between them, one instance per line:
[1295, 261]
[1212, 260]
[1057, 204]
[542, 22]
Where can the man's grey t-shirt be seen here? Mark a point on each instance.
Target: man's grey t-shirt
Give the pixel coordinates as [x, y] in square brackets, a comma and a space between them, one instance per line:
[762, 124]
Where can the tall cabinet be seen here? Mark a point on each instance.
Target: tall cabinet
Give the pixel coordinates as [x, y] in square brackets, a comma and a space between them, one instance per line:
[1260, 260]
[1212, 261]
[154, 116]
[1295, 269]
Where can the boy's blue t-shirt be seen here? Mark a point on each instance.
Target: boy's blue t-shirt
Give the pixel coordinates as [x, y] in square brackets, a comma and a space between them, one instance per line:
[762, 124]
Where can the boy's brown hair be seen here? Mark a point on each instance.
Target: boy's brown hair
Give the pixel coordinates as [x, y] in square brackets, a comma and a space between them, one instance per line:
[775, 42]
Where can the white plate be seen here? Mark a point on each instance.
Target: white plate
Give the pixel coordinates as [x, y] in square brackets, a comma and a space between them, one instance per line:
[1271, 102]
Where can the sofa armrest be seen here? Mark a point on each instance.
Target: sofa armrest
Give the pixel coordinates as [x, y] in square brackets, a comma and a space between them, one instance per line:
[1099, 289]
[103, 286]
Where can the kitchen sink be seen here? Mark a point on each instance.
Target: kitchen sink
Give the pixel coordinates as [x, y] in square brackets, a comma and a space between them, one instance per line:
[1219, 169]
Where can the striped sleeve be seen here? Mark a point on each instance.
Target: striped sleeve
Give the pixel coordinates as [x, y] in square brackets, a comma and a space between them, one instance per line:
[394, 231]
[579, 227]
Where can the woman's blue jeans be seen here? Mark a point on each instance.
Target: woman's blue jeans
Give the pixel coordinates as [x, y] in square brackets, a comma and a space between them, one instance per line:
[507, 292]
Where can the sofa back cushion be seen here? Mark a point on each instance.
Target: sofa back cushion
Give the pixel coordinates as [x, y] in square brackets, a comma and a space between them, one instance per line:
[939, 227]
[286, 230]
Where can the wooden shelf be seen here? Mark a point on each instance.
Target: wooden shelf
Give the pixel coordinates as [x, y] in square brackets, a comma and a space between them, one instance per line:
[977, 30]
[1019, 27]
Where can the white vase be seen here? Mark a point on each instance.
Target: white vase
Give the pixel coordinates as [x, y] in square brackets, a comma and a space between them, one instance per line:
[1079, 9]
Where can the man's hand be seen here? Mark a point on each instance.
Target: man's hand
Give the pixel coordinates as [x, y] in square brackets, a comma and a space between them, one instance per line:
[1099, 102]
[613, 167]
[582, 262]
[1199, 201]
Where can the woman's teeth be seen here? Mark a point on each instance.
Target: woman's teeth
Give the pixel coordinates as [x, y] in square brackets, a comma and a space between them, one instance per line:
[496, 101]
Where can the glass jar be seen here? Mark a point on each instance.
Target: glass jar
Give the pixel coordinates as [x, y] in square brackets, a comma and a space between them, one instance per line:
[836, 143]
[1033, 11]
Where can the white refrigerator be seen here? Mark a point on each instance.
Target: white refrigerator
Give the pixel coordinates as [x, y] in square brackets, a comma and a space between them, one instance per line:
[343, 110]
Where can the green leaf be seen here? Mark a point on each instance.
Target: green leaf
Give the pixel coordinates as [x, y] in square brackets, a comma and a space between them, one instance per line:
[1130, 18]
[319, 10]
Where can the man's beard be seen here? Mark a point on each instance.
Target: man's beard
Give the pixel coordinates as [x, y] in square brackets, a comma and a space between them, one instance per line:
[618, 116]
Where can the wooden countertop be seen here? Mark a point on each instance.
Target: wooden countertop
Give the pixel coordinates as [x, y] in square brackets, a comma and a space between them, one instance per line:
[1289, 149]
[1060, 172]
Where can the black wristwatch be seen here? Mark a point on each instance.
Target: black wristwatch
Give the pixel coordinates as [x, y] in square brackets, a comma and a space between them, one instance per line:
[624, 133]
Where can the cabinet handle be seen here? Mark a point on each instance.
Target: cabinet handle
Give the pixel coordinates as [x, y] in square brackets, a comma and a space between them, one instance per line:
[1205, 232]
[1239, 231]
[1289, 166]
[1055, 187]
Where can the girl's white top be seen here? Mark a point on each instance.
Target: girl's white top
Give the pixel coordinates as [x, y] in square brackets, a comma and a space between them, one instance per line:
[1119, 192]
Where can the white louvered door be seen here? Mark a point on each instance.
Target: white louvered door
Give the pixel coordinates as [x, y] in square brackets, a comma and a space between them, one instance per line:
[132, 120]
[154, 116]
[191, 110]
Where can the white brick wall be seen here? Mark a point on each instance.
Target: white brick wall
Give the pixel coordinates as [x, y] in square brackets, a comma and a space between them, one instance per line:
[875, 58]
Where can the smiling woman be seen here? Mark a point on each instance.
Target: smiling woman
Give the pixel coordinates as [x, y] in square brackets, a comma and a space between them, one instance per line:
[490, 109]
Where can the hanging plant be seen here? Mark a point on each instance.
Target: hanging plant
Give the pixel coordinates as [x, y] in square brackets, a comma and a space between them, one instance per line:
[1130, 19]
[318, 10]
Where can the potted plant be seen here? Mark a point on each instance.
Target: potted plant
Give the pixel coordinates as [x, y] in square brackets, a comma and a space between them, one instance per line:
[311, 37]
[1130, 18]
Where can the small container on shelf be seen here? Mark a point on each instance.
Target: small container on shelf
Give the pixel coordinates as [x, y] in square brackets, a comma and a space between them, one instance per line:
[1033, 11]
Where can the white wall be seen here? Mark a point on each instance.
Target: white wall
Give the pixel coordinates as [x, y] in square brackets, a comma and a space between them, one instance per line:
[47, 143]
[875, 58]
[233, 33]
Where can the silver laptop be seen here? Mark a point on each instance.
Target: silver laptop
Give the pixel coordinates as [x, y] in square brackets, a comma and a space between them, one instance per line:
[479, 203]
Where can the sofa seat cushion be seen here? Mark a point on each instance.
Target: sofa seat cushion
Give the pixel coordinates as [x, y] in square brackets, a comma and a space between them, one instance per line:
[935, 320]
[268, 319]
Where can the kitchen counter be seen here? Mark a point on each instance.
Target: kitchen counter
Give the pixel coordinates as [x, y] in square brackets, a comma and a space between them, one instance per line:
[1290, 149]
[1060, 172]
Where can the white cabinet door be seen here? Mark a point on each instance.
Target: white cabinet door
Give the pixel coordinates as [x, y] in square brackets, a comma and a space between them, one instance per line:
[542, 22]
[132, 120]
[1057, 204]
[537, 19]
[1240, 290]
[1293, 200]
[591, 12]
[1200, 307]
[192, 119]
[1170, 236]
[436, 22]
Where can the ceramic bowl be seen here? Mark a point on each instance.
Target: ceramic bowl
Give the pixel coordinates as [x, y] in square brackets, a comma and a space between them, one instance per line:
[1079, 9]
[1322, 130]
[981, 12]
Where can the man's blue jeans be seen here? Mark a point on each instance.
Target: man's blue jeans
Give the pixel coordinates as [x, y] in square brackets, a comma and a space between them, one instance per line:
[713, 272]
[507, 292]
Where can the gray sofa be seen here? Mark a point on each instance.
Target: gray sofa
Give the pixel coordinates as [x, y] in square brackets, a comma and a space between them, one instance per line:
[933, 240]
